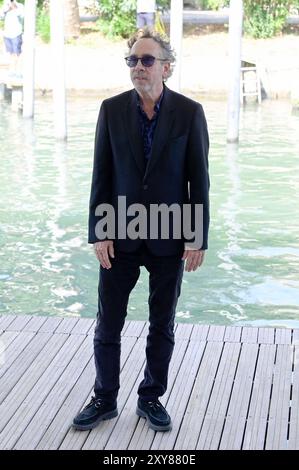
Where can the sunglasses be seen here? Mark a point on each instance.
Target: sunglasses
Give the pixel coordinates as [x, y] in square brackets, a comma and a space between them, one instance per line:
[146, 60]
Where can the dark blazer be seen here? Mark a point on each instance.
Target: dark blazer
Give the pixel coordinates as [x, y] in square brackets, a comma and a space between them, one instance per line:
[177, 171]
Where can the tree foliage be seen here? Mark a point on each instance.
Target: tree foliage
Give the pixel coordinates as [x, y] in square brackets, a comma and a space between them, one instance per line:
[262, 18]
[265, 18]
[118, 17]
[213, 4]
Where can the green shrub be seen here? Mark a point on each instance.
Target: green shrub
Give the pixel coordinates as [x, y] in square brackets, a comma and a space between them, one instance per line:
[295, 7]
[43, 25]
[262, 18]
[214, 4]
[118, 17]
[265, 18]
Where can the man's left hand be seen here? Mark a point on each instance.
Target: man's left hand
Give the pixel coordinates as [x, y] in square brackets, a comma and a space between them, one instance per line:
[194, 259]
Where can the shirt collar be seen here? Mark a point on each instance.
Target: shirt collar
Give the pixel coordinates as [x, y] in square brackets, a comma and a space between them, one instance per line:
[157, 104]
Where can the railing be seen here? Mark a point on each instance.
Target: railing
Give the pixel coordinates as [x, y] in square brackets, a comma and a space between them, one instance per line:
[199, 17]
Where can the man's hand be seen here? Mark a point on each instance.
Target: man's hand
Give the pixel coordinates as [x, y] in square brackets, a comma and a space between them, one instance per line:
[103, 250]
[194, 259]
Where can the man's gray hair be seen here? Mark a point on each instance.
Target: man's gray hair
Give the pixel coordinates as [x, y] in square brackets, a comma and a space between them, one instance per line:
[162, 40]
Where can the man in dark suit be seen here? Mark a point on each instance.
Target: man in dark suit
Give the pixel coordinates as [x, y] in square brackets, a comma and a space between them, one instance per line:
[151, 148]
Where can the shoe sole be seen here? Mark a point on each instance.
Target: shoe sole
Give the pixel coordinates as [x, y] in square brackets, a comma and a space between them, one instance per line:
[142, 414]
[86, 427]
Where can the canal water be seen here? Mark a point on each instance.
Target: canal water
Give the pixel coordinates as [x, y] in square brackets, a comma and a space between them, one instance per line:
[251, 271]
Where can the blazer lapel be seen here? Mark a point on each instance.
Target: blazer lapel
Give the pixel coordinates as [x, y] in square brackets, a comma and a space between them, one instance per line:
[134, 132]
[162, 131]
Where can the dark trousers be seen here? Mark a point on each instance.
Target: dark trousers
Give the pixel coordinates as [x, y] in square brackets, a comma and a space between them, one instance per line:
[115, 285]
[145, 19]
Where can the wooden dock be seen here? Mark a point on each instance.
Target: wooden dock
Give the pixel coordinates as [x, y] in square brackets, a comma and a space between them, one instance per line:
[11, 88]
[229, 387]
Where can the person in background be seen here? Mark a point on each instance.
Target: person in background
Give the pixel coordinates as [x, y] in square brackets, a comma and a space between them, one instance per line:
[13, 13]
[146, 10]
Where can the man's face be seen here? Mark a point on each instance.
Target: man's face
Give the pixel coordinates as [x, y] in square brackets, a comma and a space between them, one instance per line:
[148, 79]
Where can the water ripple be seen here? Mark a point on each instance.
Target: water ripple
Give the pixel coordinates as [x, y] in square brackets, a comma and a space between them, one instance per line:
[250, 275]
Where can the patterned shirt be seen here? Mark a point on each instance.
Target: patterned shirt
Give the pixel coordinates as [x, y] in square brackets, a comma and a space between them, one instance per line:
[148, 126]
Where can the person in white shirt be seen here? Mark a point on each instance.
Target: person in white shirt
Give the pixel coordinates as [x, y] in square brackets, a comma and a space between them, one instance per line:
[13, 13]
[146, 10]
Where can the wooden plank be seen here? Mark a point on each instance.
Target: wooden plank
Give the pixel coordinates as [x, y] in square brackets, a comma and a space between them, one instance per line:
[35, 323]
[141, 431]
[233, 334]
[200, 332]
[210, 434]
[121, 430]
[20, 355]
[59, 429]
[35, 386]
[50, 325]
[144, 332]
[78, 396]
[142, 436]
[55, 398]
[83, 326]
[45, 380]
[280, 401]
[130, 357]
[6, 338]
[249, 334]
[24, 381]
[183, 331]
[134, 328]
[6, 320]
[237, 412]
[266, 335]
[38, 393]
[92, 328]
[180, 394]
[199, 399]
[295, 335]
[255, 431]
[127, 421]
[125, 327]
[67, 325]
[19, 323]
[283, 336]
[216, 333]
[293, 443]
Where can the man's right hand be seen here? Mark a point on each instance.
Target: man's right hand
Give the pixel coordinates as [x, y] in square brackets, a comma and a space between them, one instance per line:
[103, 250]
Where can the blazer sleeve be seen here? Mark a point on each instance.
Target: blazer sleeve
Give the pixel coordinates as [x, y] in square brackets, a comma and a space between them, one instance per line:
[102, 173]
[198, 172]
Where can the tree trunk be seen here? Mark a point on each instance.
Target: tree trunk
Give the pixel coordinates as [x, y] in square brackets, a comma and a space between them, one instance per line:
[71, 19]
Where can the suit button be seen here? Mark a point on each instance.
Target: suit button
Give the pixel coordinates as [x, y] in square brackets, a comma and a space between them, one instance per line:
[145, 186]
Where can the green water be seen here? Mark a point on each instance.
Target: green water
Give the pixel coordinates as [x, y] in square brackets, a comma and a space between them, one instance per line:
[251, 271]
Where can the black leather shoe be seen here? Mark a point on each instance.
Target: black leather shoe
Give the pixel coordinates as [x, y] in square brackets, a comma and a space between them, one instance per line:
[97, 410]
[157, 417]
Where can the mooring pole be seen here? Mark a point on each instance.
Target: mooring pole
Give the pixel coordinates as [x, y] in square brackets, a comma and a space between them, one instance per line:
[176, 35]
[58, 68]
[29, 58]
[235, 41]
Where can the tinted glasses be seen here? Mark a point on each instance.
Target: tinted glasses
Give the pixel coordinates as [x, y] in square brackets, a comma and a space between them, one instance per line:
[147, 60]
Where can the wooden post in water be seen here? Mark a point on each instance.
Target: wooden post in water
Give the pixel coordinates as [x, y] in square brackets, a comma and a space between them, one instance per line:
[295, 91]
[29, 58]
[58, 68]
[235, 41]
[176, 34]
